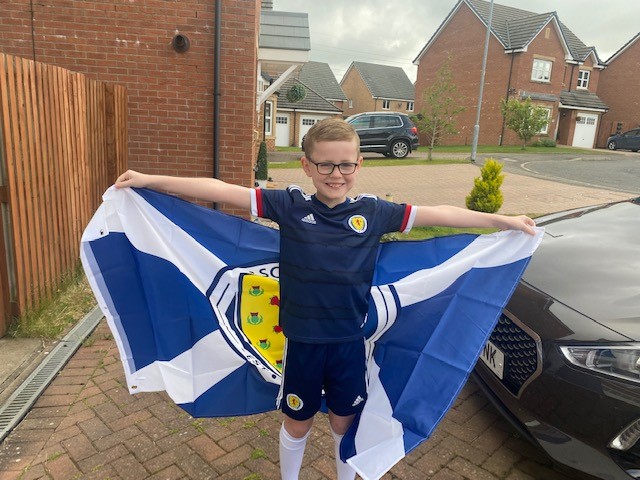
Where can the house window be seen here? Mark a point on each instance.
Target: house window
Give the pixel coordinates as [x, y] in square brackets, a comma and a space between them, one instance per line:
[386, 104]
[583, 78]
[545, 130]
[409, 106]
[268, 117]
[307, 122]
[541, 71]
[350, 103]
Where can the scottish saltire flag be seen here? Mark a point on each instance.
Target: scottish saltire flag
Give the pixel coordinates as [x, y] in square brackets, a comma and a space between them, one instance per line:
[192, 298]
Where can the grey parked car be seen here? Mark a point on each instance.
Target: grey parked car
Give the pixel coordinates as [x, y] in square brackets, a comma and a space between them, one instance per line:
[390, 133]
[625, 141]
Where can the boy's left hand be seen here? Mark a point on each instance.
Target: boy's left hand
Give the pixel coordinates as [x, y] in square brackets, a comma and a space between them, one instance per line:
[521, 222]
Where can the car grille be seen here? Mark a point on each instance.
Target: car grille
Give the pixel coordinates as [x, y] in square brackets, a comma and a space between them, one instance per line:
[520, 353]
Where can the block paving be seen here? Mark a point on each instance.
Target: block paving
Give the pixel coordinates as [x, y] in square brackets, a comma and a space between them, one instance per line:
[87, 426]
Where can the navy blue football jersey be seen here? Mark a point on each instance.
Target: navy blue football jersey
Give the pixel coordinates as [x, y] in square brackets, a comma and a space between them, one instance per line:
[327, 259]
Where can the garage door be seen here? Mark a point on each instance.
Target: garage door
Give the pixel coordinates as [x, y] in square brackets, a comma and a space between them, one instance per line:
[282, 130]
[585, 132]
[306, 122]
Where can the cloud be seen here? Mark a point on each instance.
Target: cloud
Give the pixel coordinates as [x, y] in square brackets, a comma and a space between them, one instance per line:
[393, 33]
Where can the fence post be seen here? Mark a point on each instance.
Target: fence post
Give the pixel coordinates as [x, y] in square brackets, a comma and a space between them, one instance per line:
[110, 114]
[6, 312]
[5, 298]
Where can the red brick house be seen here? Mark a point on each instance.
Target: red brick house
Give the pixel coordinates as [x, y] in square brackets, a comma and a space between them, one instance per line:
[530, 55]
[165, 54]
[370, 87]
[619, 88]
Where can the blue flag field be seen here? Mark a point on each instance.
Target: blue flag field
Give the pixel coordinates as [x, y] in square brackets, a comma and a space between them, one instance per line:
[191, 296]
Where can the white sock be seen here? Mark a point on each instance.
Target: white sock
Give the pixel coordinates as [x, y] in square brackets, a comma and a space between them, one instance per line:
[345, 472]
[291, 453]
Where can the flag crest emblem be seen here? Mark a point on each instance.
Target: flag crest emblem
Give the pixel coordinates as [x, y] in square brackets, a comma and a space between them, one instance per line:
[260, 314]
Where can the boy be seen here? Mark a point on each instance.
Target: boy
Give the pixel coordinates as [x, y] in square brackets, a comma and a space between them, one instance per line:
[328, 247]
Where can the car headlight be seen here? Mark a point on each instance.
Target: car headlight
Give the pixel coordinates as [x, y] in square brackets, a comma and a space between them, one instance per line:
[617, 361]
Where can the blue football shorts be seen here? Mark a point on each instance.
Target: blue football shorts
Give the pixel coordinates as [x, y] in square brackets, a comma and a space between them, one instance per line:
[309, 368]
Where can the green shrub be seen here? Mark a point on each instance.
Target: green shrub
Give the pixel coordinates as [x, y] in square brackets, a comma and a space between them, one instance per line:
[544, 142]
[485, 195]
[262, 163]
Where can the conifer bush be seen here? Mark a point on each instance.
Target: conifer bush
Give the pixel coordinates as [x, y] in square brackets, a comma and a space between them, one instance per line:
[262, 163]
[485, 195]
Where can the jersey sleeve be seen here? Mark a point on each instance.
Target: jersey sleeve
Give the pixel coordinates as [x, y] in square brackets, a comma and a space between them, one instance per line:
[399, 217]
[270, 203]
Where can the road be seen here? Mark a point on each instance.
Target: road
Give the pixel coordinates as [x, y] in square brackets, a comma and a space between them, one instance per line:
[617, 171]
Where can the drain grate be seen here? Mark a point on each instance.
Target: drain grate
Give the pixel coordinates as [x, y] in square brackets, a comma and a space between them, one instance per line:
[19, 403]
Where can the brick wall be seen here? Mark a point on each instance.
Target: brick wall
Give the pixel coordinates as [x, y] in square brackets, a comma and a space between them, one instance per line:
[170, 93]
[619, 88]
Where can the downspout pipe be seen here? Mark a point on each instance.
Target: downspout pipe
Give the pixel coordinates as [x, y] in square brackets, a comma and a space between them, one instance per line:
[216, 91]
[507, 96]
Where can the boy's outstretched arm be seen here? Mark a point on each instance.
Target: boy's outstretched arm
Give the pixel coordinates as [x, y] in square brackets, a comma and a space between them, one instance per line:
[208, 189]
[449, 216]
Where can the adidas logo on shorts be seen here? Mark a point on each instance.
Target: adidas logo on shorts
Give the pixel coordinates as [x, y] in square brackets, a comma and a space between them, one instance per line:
[357, 401]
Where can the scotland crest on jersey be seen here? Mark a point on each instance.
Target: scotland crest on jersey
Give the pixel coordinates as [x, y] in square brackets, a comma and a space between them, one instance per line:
[192, 298]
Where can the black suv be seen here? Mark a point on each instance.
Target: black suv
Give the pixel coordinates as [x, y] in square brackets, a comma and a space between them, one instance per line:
[390, 133]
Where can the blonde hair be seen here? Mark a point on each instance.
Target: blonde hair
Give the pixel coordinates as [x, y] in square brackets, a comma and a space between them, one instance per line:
[330, 130]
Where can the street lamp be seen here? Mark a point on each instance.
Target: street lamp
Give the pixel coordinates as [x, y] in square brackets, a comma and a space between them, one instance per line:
[476, 127]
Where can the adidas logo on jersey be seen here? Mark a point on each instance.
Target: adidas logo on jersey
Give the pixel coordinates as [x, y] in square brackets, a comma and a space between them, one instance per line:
[309, 219]
[357, 401]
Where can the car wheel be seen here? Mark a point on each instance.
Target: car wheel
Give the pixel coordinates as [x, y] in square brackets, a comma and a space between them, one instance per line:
[611, 145]
[399, 149]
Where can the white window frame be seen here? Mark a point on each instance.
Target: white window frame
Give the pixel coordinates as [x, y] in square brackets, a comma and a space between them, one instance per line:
[541, 70]
[584, 76]
[409, 106]
[545, 130]
[268, 118]
[386, 104]
[350, 103]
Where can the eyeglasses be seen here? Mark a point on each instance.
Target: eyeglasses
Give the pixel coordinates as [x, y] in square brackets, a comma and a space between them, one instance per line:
[326, 168]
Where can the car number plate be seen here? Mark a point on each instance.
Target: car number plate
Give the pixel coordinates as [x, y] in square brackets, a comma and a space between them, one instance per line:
[493, 358]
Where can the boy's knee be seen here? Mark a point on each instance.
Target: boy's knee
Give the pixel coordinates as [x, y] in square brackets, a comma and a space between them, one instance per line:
[340, 424]
[297, 428]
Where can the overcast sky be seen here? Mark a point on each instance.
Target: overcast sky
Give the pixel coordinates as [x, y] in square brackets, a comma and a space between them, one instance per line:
[392, 32]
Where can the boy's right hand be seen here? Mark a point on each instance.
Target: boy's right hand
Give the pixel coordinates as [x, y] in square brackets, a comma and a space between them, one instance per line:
[131, 178]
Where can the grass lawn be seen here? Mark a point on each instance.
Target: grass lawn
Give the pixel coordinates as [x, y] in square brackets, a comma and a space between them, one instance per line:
[70, 303]
[484, 149]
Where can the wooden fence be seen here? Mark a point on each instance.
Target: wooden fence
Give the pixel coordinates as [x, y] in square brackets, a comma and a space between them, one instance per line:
[63, 139]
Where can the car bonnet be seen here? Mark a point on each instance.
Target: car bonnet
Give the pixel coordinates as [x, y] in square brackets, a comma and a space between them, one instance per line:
[590, 261]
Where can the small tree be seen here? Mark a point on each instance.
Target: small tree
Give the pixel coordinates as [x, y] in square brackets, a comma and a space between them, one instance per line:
[441, 105]
[524, 118]
[262, 162]
[485, 195]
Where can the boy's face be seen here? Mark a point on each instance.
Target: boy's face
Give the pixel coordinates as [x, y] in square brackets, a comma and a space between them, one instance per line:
[332, 188]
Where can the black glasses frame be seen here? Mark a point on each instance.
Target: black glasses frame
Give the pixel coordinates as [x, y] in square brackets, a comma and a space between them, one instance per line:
[341, 166]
